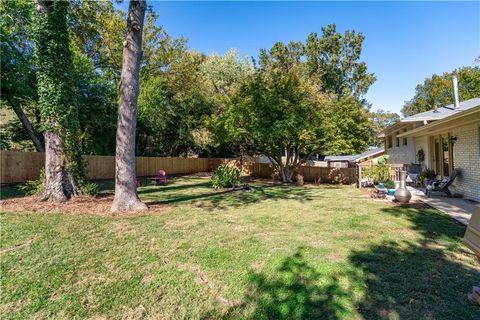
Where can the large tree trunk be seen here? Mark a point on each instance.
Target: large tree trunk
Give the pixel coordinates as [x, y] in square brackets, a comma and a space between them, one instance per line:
[27, 125]
[59, 114]
[59, 183]
[126, 197]
[292, 163]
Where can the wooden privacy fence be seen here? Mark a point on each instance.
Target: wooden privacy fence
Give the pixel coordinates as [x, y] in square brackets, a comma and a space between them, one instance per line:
[18, 166]
[309, 173]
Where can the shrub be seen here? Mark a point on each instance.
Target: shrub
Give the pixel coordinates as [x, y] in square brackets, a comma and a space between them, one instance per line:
[379, 172]
[89, 188]
[226, 177]
[429, 174]
[390, 184]
[33, 187]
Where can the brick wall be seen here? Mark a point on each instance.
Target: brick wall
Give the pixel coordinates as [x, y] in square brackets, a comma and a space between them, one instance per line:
[466, 159]
[402, 154]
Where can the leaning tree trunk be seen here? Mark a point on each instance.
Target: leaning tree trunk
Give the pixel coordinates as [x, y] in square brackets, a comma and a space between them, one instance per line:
[126, 197]
[57, 102]
[27, 125]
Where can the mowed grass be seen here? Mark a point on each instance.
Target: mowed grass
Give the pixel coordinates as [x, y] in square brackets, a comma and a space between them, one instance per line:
[275, 253]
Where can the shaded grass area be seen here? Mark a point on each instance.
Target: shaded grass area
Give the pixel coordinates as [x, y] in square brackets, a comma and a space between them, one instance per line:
[10, 191]
[276, 253]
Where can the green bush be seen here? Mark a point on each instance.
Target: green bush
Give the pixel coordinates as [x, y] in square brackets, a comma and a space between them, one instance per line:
[89, 188]
[390, 184]
[33, 187]
[226, 177]
[428, 174]
[379, 172]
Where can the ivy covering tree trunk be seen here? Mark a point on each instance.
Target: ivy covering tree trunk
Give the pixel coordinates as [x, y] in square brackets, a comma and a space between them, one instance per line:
[58, 109]
[126, 197]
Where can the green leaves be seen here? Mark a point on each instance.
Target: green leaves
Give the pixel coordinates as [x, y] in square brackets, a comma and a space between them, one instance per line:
[226, 176]
[334, 60]
[438, 91]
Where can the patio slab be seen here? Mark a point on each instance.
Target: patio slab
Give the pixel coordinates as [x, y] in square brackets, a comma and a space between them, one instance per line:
[459, 209]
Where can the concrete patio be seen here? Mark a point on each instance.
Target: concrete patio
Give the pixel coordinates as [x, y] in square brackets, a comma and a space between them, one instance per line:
[459, 209]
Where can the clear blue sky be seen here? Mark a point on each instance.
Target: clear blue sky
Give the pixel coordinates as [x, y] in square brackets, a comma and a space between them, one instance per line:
[405, 41]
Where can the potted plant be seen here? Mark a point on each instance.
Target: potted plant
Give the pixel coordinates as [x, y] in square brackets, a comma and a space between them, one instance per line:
[390, 186]
[428, 175]
[379, 173]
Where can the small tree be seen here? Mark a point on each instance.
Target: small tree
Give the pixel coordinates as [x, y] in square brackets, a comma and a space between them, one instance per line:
[280, 112]
[126, 197]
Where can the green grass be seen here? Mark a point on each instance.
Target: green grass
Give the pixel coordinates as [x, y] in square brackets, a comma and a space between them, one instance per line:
[276, 253]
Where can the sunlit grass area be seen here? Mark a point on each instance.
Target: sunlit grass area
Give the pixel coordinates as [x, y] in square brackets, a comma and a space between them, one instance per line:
[277, 252]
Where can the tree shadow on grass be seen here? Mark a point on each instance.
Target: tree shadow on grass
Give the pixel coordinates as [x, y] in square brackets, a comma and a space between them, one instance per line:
[424, 279]
[224, 199]
[296, 290]
[179, 187]
[412, 281]
[430, 223]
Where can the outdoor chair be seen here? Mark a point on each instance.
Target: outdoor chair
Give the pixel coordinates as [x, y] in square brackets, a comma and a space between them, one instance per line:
[441, 185]
[161, 177]
[413, 174]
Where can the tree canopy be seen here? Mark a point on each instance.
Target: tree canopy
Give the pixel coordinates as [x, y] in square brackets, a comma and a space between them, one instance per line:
[191, 103]
[438, 91]
[287, 112]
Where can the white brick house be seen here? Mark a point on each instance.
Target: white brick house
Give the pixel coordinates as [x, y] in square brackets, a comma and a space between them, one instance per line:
[450, 140]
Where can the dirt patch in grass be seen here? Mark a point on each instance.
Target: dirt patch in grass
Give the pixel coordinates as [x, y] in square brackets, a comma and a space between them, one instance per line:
[78, 205]
[414, 203]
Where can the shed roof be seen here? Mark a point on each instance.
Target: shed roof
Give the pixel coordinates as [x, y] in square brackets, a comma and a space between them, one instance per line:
[355, 157]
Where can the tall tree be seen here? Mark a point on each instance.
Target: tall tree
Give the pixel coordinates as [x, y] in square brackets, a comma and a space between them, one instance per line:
[18, 83]
[438, 91]
[381, 119]
[58, 109]
[334, 60]
[126, 197]
[349, 129]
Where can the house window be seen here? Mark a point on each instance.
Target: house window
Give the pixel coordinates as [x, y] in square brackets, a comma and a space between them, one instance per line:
[405, 141]
[397, 140]
[389, 142]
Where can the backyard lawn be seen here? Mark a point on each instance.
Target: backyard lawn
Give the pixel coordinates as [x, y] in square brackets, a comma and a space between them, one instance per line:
[278, 252]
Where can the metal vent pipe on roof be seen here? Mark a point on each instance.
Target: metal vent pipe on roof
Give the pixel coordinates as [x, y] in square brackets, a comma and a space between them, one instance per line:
[455, 93]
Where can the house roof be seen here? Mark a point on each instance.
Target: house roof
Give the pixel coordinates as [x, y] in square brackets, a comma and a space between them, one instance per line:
[462, 117]
[356, 157]
[443, 112]
[432, 115]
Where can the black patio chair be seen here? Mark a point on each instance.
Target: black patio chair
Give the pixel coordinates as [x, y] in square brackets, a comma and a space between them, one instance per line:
[442, 185]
